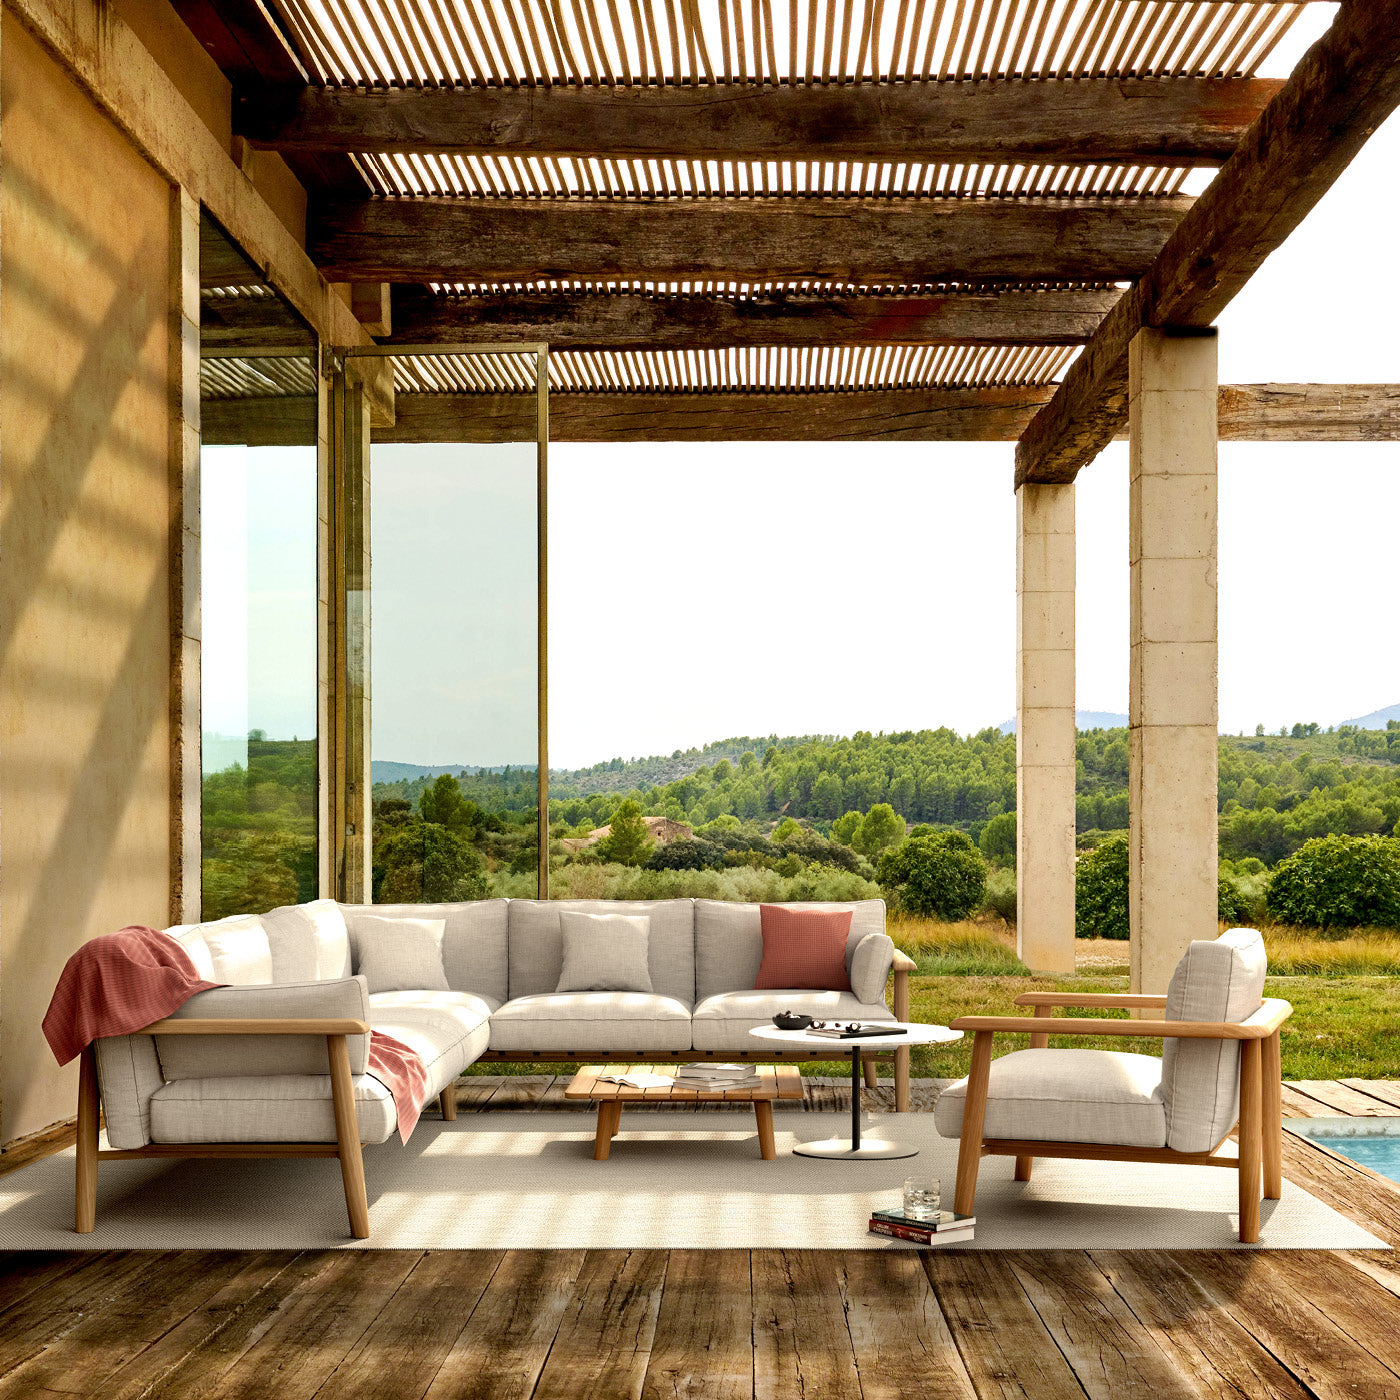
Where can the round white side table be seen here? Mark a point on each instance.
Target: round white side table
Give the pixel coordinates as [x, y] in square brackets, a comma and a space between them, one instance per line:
[854, 1147]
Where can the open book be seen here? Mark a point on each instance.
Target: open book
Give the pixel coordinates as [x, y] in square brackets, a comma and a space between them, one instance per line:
[638, 1081]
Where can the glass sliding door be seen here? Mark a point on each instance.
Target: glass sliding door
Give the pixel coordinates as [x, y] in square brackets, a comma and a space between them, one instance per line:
[456, 671]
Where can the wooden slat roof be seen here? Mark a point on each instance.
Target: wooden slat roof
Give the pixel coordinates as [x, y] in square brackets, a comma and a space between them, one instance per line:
[409, 43]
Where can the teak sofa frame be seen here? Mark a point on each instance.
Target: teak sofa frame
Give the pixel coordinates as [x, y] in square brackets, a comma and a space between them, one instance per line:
[1260, 1126]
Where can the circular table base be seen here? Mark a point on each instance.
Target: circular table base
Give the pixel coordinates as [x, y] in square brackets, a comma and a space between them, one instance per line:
[870, 1149]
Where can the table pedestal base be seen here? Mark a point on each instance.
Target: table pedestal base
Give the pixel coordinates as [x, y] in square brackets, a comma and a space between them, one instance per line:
[868, 1149]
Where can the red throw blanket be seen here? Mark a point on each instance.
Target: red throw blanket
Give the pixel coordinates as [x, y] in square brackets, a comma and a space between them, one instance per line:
[119, 983]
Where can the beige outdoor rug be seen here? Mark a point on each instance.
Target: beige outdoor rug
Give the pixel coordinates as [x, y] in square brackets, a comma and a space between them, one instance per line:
[674, 1181]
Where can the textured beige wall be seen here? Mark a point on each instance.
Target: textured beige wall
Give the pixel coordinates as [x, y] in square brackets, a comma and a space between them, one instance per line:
[84, 593]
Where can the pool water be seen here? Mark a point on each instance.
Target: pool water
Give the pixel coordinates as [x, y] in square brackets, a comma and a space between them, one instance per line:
[1373, 1142]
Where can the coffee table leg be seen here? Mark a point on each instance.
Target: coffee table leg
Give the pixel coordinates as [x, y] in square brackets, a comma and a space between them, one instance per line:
[763, 1112]
[616, 1117]
[602, 1138]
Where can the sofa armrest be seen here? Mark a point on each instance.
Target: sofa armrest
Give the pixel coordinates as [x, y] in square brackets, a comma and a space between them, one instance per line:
[269, 1028]
[1262, 1024]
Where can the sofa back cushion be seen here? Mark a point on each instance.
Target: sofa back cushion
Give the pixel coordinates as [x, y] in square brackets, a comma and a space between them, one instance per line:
[235, 950]
[729, 940]
[537, 945]
[310, 942]
[1219, 979]
[473, 941]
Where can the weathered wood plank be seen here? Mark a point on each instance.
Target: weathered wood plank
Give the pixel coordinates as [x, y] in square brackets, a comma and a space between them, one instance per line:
[604, 1341]
[1386, 1091]
[1211, 1350]
[437, 239]
[801, 1344]
[1006, 1348]
[1339, 1098]
[1158, 121]
[634, 321]
[1297, 1104]
[1339, 93]
[703, 1347]
[903, 1348]
[502, 1349]
[1309, 412]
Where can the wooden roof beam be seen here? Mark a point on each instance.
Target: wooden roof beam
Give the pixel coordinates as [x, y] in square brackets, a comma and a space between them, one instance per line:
[1173, 121]
[569, 320]
[1341, 91]
[438, 239]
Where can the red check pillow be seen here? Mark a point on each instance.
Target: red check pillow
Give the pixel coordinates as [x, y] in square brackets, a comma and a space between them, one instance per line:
[804, 948]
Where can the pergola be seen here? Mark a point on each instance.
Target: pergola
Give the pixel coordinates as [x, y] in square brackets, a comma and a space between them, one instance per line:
[992, 220]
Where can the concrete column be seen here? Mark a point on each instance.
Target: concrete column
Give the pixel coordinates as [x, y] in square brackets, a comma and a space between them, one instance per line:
[1045, 734]
[1172, 703]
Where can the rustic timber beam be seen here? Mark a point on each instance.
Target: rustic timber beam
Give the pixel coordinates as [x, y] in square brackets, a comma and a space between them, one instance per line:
[1341, 91]
[1173, 121]
[1310, 413]
[635, 321]
[437, 239]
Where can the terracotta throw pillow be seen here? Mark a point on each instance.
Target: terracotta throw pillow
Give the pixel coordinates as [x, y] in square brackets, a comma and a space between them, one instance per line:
[804, 949]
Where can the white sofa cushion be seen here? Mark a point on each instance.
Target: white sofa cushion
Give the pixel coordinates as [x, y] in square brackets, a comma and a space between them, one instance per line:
[537, 945]
[309, 942]
[398, 954]
[729, 940]
[723, 1021]
[223, 1056]
[235, 951]
[128, 1073]
[1219, 979]
[446, 1030]
[591, 1021]
[1103, 1096]
[604, 952]
[267, 1108]
[473, 942]
[870, 967]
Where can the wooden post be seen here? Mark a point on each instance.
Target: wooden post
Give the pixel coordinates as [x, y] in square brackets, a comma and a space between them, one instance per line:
[1172, 702]
[1272, 1074]
[1045, 732]
[347, 1135]
[1251, 1139]
[974, 1118]
[85, 1192]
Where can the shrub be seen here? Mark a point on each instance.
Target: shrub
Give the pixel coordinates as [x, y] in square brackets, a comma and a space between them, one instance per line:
[1339, 882]
[1001, 894]
[1232, 905]
[686, 855]
[1101, 890]
[942, 875]
[998, 838]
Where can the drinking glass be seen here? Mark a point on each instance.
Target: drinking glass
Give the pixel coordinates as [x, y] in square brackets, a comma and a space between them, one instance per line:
[922, 1198]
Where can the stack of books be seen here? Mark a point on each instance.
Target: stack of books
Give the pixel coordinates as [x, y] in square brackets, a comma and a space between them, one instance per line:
[946, 1228]
[715, 1078]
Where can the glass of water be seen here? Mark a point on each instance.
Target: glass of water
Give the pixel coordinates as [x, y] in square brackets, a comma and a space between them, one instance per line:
[922, 1198]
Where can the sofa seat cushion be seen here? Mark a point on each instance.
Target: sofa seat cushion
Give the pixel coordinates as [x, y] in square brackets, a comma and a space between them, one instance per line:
[591, 1021]
[447, 1030]
[723, 1021]
[1104, 1096]
[269, 1108]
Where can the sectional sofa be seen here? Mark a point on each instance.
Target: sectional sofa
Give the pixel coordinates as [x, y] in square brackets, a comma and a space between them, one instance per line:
[242, 1070]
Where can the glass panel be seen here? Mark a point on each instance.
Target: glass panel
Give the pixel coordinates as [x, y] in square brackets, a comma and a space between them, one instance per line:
[454, 670]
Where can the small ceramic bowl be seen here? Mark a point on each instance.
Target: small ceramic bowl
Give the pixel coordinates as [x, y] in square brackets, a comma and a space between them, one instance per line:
[791, 1021]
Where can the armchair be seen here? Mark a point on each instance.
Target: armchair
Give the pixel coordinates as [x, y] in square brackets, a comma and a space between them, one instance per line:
[1220, 1069]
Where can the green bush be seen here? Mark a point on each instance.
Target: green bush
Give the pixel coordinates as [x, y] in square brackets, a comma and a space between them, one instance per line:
[1001, 894]
[1232, 905]
[943, 875]
[998, 839]
[1101, 890]
[686, 855]
[1339, 882]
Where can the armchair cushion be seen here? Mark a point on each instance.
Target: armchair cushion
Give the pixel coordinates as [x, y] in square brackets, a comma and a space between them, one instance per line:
[1218, 979]
[224, 1056]
[1103, 1096]
[128, 1071]
[870, 967]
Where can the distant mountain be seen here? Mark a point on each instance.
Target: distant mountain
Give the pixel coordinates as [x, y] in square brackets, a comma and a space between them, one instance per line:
[384, 770]
[1376, 719]
[1083, 719]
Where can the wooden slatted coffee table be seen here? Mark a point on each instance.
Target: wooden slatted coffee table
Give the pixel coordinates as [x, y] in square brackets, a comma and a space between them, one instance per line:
[775, 1082]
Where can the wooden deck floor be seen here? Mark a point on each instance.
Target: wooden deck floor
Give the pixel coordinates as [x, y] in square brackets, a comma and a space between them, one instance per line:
[561, 1325]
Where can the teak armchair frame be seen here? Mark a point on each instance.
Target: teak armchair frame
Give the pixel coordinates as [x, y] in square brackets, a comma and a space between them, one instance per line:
[347, 1145]
[1260, 1126]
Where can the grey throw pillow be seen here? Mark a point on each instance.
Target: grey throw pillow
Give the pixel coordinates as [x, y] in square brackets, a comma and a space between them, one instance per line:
[400, 955]
[870, 967]
[604, 952]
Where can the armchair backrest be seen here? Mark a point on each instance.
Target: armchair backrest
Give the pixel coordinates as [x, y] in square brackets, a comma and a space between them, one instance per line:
[1218, 979]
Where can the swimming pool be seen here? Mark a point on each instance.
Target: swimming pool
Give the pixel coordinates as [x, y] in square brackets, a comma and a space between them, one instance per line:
[1373, 1142]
